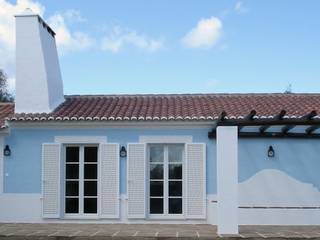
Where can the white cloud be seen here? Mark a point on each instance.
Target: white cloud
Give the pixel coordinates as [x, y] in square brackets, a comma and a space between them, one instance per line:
[240, 7]
[67, 40]
[7, 30]
[120, 38]
[205, 35]
[11, 84]
[73, 16]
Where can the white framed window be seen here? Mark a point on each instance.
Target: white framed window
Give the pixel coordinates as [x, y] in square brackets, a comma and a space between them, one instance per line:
[165, 179]
[81, 180]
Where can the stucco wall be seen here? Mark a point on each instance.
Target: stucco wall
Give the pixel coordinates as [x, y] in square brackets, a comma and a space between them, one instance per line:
[23, 167]
[297, 158]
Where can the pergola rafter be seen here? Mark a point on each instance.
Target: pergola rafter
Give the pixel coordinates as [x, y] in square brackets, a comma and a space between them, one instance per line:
[309, 121]
[278, 117]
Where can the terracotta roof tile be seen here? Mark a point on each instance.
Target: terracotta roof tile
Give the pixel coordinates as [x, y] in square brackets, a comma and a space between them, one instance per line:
[6, 110]
[171, 107]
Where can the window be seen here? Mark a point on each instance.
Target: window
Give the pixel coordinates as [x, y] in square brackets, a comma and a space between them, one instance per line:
[81, 179]
[166, 179]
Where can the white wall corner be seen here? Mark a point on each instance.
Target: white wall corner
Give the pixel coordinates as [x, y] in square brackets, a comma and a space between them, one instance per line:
[227, 179]
[39, 86]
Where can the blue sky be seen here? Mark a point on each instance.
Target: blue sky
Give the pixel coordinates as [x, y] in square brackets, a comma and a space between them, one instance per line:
[148, 46]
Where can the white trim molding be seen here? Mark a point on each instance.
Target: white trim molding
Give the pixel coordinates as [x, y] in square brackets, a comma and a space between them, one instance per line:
[80, 139]
[165, 139]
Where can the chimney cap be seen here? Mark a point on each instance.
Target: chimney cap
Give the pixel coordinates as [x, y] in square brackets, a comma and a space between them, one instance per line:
[26, 12]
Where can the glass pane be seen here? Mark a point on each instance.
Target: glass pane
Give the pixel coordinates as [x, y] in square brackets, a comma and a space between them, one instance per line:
[156, 188]
[72, 154]
[156, 205]
[175, 171]
[156, 171]
[72, 205]
[175, 205]
[175, 188]
[156, 153]
[72, 188]
[72, 171]
[90, 205]
[90, 188]
[175, 153]
[90, 154]
[90, 171]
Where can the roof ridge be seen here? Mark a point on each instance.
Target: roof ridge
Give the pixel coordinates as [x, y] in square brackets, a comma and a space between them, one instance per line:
[7, 103]
[187, 94]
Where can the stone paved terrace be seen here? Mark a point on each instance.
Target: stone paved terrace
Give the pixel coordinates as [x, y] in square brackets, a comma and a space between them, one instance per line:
[149, 231]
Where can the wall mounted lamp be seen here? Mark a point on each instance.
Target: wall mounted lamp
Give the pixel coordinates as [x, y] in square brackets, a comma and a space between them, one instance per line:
[123, 152]
[271, 152]
[7, 151]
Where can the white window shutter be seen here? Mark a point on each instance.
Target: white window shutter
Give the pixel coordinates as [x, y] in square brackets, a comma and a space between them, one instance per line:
[195, 180]
[51, 180]
[136, 175]
[109, 180]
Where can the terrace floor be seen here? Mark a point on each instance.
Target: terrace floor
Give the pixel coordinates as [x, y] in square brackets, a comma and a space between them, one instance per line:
[149, 231]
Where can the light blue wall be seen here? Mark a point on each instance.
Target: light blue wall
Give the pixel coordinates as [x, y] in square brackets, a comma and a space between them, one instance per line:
[298, 158]
[23, 167]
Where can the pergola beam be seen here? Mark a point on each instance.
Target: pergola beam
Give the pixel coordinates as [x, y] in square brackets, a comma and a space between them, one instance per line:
[270, 135]
[249, 117]
[277, 135]
[265, 123]
[307, 117]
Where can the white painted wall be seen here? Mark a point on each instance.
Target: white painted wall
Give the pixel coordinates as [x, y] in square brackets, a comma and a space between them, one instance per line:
[20, 208]
[227, 179]
[1, 164]
[279, 216]
[39, 85]
[27, 208]
[275, 188]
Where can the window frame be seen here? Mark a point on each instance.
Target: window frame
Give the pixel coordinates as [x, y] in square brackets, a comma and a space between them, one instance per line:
[81, 181]
[166, 197]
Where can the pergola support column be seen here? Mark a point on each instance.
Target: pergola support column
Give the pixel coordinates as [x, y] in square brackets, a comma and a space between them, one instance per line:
[227, 179]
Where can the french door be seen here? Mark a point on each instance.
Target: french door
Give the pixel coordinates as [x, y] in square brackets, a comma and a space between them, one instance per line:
[165, 179]
[81, 180]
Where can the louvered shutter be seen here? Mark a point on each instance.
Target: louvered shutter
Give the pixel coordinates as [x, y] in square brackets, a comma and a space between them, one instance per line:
[136, 180]
[109, 180]
[51, 180]
[195, 180]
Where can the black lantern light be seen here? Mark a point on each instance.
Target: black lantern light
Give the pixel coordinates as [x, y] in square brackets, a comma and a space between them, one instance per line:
[270, 152]
[7, 151]
[123, 152]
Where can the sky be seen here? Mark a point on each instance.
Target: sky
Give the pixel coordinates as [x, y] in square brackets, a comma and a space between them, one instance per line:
[143, 46]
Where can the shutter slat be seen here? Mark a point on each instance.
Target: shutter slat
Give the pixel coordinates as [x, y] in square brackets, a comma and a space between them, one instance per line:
[109, 180]
[136, 180]
[51, 180]
[196, 180]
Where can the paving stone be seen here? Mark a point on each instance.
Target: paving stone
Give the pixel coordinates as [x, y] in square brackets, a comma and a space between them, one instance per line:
[148, 231]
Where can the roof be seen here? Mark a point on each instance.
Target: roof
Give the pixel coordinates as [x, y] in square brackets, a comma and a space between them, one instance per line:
[6, 110]
[172, 107]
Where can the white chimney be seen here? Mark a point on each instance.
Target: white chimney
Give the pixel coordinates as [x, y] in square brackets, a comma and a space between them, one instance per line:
[39, 86]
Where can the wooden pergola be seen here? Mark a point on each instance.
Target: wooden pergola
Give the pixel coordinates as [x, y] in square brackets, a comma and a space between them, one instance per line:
[263, 127]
